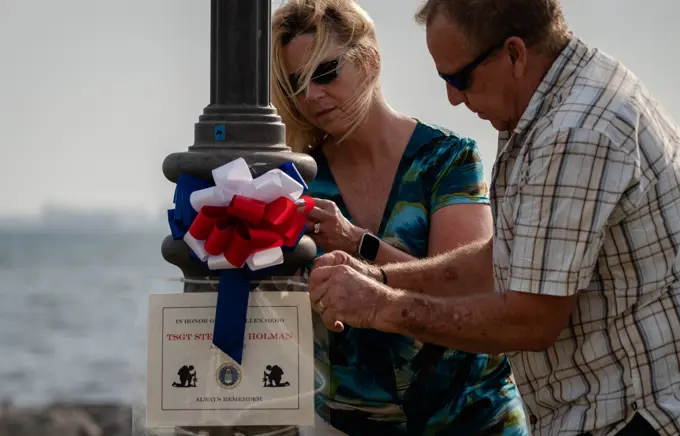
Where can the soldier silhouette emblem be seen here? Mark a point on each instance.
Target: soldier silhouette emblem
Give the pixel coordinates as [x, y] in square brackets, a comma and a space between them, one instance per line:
[187, 377]
[273, 376]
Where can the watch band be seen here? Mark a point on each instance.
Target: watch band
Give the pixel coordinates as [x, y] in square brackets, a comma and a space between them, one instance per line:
[384, 276]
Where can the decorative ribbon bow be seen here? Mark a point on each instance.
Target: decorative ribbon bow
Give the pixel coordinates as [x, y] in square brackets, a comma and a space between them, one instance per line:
[239, 225]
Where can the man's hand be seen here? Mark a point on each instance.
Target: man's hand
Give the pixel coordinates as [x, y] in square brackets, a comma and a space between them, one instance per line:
[336, 258]
[340, 294]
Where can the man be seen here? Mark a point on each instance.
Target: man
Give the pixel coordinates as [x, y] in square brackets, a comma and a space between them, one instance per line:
[580, 284]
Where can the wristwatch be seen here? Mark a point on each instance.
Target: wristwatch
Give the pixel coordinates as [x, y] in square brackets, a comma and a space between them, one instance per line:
[368, 247]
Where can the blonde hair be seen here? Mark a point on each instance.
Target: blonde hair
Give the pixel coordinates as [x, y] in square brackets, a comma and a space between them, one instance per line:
[333, 23]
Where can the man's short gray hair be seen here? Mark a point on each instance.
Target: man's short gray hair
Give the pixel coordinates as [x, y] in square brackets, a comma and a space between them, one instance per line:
[484, 23]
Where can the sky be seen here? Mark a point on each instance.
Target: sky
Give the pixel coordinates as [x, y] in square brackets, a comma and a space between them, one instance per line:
[94, 94]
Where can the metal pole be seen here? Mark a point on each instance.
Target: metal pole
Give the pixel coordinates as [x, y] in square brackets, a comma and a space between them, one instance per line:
[239, 122]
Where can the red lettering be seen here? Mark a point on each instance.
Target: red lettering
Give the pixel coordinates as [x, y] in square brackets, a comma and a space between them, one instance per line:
[203, 336]
[178, 337]
[270, 336]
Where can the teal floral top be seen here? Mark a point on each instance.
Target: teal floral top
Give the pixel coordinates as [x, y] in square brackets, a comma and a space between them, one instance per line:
[380, 384]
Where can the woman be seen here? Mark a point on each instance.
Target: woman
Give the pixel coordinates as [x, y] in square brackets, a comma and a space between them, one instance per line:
[419, 189]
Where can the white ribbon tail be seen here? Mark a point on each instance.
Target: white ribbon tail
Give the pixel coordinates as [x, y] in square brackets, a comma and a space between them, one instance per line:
[265, 258]
[219, 262]
[197, 246]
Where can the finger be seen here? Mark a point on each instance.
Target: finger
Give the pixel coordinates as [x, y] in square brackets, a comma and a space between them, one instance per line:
[331, 323]
[304, 204]
[337, 327]
[316, 292]
[321, 305]
[318, 306]
[323, 204]
[331, 259]
[315, 297]
[318, 215]
[310, 226]
[318, 278]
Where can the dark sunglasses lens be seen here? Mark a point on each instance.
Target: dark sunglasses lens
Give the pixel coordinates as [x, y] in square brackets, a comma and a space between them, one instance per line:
[326, 78]
[325, 73]
[458, 81]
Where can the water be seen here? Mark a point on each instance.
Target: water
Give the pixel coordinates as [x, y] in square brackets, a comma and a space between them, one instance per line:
[73, 315]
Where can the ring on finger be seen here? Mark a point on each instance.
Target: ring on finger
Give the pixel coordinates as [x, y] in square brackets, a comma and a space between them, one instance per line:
[317, 228]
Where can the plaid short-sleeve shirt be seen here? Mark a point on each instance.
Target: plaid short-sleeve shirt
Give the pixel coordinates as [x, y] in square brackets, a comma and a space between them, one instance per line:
[586, 200]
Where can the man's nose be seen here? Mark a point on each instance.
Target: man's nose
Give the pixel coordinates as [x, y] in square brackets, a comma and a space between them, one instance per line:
[456, 97]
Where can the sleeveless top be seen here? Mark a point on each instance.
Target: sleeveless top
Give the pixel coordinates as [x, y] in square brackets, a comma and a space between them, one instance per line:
[374, 383]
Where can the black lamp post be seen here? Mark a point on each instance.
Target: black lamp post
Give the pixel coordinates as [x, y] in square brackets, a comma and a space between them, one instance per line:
[239, 122]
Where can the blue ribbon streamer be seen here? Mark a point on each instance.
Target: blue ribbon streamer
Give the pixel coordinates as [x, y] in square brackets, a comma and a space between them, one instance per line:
[181, 217]
[234, 284]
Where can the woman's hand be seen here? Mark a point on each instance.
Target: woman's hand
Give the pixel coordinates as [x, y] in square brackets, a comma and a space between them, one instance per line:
[331, 230]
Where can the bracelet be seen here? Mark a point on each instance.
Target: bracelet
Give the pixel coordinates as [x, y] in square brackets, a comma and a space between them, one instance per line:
[384, 276]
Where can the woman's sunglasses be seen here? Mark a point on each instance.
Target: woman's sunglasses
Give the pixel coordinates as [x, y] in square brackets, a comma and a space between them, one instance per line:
[324, 74]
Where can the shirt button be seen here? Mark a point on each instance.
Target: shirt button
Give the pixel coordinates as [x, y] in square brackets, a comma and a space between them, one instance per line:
[533, 420]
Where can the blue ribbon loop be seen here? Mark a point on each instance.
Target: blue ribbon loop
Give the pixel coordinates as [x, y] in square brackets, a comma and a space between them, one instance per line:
[234, 284]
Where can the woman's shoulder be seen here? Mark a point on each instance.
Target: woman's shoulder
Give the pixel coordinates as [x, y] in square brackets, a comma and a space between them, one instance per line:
[434, 145]
[439, 130]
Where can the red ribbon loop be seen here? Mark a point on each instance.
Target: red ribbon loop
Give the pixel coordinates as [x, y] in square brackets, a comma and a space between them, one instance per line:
[293, 230]
[279, 212]
[247, 209]
[206, 220]
[220, 237]
[263, 239]
[309, 203]
[239, 249]
[247, 226]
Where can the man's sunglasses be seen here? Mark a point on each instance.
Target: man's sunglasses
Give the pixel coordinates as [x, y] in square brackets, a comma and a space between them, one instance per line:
[324, 74]
[461, 79]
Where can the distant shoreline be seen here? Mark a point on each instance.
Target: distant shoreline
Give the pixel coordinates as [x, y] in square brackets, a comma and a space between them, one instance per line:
[68, 220]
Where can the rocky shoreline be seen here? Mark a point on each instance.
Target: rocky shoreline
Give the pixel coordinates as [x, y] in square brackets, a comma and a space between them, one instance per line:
[71, 420]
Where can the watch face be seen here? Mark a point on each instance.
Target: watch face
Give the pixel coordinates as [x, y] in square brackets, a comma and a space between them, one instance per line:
[369, 247]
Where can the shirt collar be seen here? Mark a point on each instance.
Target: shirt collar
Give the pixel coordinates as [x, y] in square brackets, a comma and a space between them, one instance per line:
[549, 91]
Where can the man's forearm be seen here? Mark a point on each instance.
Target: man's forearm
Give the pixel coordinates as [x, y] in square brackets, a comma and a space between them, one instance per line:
[464, 271]
[473, 323]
